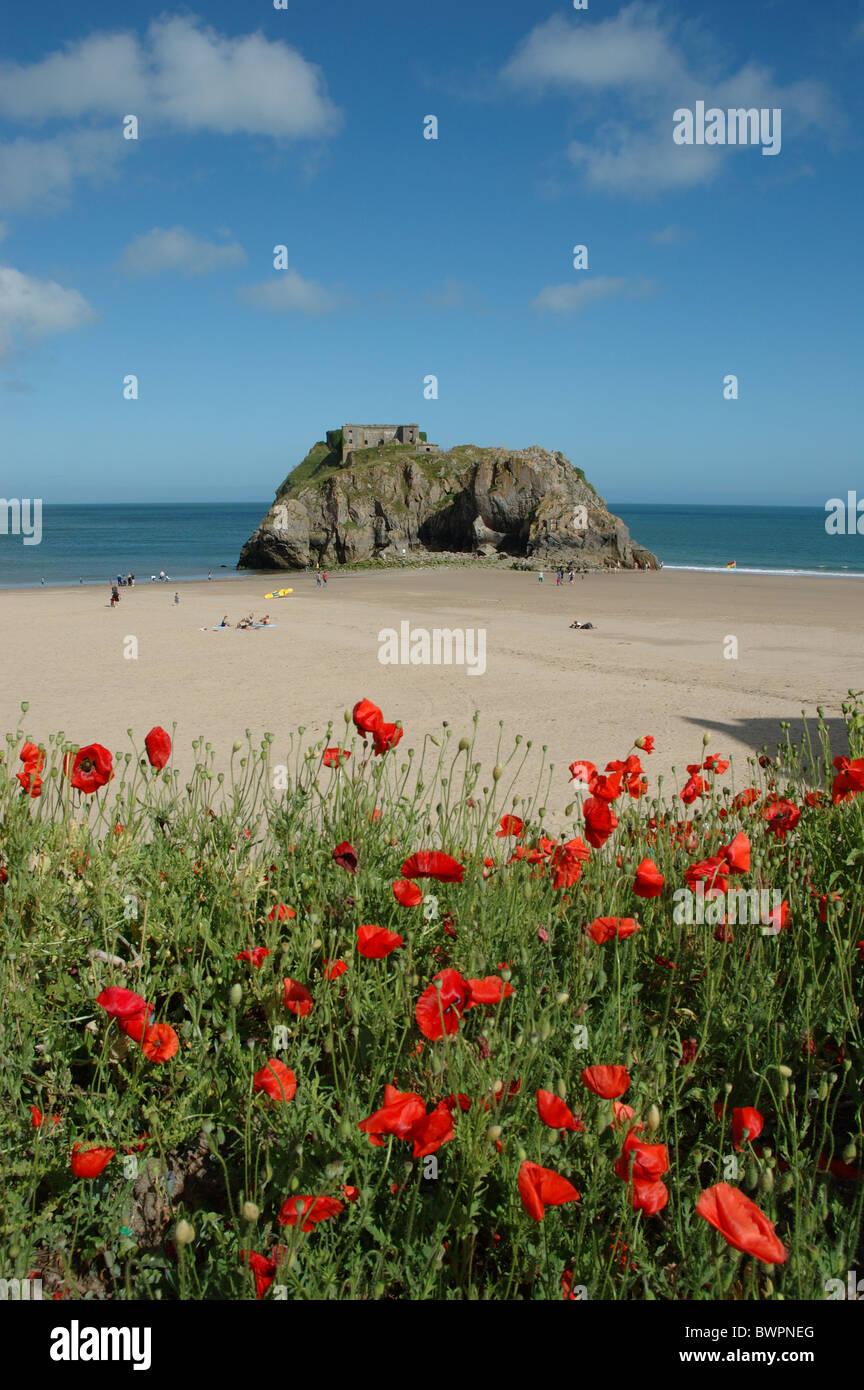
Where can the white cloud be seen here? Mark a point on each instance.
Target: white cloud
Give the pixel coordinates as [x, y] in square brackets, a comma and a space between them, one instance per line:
[289, 293]
[455, 294]
[182, 74]
[43, 171]
[636, 64]
[174, 248]
[32, 309]
[573, 298]
[667, 236]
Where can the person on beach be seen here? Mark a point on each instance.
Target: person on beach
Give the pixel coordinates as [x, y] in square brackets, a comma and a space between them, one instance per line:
[317, 581]
[324, 577]
[224, 622]
[176, 597]
[582, 627]
[571, 576]
[209, 574]
[115, 595]
[540, 577]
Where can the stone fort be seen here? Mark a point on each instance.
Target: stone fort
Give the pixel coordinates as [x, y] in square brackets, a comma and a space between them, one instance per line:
[371, 436]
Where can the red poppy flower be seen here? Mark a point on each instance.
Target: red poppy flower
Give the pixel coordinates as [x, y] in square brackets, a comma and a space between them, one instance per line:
[737, 854]
[647, 1162]
[308, 1211]
[89, 1162]
[649, 881]
[400, 1112]
[159, 1042]
[566, 862]
[446, 1003]
[457, 1099]
[34, 761]
[385, 737]
[430, 1131]
[554, 1113]
[121, 1003]
[630, 772]
[600, 821]
[334, 757]
[263, 1269]
[275, 1080]
[694, 787]
[332, 971]
[407, 893]
[282, 912]
[136, 1025]
[848, 782]
[741, 1223]
[711, 872]
[603, 929]
[490, 990]
[345, 855]
[648, 1196]
[606, 1081]
[377, 942]
[646, 743]
[297, 998]
[433, 863]
[582, 771]
[90, 768]
[605, 788]
[350, 1193]
[541, 1187]
[746, 1118]
[367, 717]
[510, 825]
[255, 956]
[716, 765]
[158, 745]
[782, 816]
[689, 1049]
[4, 876]
[622, 1113]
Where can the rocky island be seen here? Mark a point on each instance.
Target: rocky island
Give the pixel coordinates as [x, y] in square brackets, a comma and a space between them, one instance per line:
[383, 492]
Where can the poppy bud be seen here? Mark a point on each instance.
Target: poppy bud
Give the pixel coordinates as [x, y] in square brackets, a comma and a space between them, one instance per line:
[184, 1233]
[652, 1119]
[766, 1182]
[346, 715]
[787, 1182]
[728, 1088]
[823, 1090]
[568, 810]
[463, 744]
[751, 1178]
[562, 997]
[784, 1089]
[521, 1154]
[235, 995]
[706, 739]
[545, 1030]
[250, 1211]
[505, 975]
[317, 944]
[494, 1132]
[849, 1153]
[497, 772]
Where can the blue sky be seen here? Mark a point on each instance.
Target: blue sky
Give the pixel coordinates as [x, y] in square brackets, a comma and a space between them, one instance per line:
[409, 257]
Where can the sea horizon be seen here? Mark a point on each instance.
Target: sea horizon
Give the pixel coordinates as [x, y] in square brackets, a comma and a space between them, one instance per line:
[93, 543]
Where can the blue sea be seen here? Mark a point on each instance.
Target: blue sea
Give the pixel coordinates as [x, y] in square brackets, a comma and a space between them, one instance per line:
[188, 541]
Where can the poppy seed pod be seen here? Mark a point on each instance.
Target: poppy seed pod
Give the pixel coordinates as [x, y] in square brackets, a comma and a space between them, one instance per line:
[250, 1211]
[184, 1233]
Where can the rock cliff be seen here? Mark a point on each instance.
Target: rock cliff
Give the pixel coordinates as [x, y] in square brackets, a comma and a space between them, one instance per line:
[363, 504]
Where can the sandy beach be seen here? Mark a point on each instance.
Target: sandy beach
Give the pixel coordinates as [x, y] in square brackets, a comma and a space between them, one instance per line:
[654, 664]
